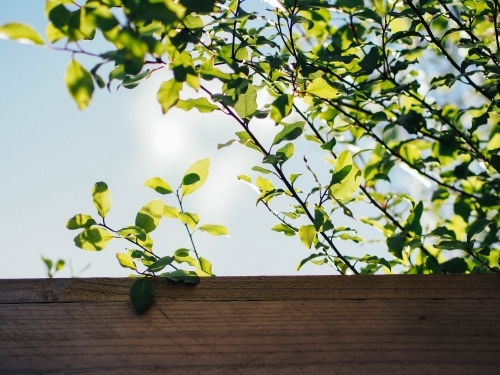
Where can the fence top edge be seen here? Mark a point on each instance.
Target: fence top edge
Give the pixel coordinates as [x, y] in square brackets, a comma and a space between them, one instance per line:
[256, 288]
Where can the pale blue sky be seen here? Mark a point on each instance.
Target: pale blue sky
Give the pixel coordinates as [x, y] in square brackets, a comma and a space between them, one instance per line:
[51, 154]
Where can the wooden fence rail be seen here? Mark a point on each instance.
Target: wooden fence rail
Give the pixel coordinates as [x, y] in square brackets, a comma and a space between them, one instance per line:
[407, 324]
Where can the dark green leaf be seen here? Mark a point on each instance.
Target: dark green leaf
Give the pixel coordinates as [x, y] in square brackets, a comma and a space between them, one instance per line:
[160, 264]
[190, 179]
[141, 295]
[188, 277]
[455, 265]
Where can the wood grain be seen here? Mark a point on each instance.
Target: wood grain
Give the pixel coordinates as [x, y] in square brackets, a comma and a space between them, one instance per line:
[265, 288]
[264, 325]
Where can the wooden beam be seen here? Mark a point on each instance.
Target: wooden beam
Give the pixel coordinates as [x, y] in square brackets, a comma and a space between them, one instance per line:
[448, 324]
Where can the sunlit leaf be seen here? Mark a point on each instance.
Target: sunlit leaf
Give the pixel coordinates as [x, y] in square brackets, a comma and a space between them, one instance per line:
[158, 185]
[168, 95]
[93, 239]
[80, 84]
[170, 212]
[101, 198]
[190, 219]
[183, 256]
[126, 261]
[285, 229]
[201, 104]
[289, 132]
[199, 168]
[214, 230]
[149, 216]
[80, 221]
[349, 183]
[322, 88]
[20, 32]
[307, 233]
[247, 102]
[133, 231]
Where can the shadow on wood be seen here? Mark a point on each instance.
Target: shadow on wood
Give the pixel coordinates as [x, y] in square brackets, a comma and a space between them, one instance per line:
[407, 324]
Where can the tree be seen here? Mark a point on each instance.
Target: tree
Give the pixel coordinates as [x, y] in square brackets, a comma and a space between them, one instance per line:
[380, 88]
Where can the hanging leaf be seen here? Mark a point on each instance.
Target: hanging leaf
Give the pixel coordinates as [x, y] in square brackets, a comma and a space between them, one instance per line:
[80, 84]
[345, 188]
[477, 227]
[141, 294]
[183, 256]
[285, 229]
[201, 104]
[168, 95]
[190, 219]
[307, 233]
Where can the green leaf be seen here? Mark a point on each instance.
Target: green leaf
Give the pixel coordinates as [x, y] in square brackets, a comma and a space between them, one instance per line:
[455, 265]
[170, 212]
[158, 185]
[160, 264]
[307, 233]
[190, 219]
[149, 215]
[189, 277]
[93, 239]
[214, 230]
[21, 32]
[322, 88]
[101, 198]
[477, 227]
[183, 256]
[396, 244]
[80, 84]
[286, 152]
[80, 221]
[206, 266]
[190, 179]
[168, 95]
[201, 104]
[126, 261]
[200, 168]
[309, 258]
[261, 170]
[451, 245]
[132, 231]
[247, 102]
[141, 294]
[281, 107]
[285, 229]
[289, 132]
[350, 183]
[329, 145]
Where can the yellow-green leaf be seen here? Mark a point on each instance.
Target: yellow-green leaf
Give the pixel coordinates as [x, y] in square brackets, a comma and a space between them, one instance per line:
[206, 267]
[158, 185]
[322, 88]
[132, 231]
[80, 221]
[191, 220]
[214, 230]
[126, 261]
[21, 32]
[247, 102]
[200, 168]
[183, 256]
[80, 84]
[101, 198]
[307, 234]
[149, 216]
[93, 239]
[201, 104]
[168, 94]
[350, 183]
[170, 212]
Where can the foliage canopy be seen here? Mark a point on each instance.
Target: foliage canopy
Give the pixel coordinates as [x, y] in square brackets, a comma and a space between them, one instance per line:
[381, 87]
